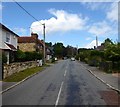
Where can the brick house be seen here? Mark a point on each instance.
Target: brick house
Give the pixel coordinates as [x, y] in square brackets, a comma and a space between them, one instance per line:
[32, 44]
[8, 42]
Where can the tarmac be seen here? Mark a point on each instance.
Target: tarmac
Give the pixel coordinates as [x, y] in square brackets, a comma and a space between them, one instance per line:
[111, 80]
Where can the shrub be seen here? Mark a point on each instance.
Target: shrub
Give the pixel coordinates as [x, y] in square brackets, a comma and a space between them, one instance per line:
[19, 56]
[53, 60]
[4, 58]
[106, 66]
[27, 56]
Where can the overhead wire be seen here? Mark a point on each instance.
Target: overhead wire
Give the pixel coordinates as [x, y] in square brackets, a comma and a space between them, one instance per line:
[27, 11]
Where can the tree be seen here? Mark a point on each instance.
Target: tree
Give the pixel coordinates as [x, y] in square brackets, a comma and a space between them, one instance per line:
[49, 44]
[107, 42]
[58, 49]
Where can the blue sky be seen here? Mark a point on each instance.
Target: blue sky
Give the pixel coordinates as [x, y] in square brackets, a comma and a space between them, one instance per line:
[72, 23]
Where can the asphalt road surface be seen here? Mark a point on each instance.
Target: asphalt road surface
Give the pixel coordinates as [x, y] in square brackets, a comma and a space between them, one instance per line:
[65, 83]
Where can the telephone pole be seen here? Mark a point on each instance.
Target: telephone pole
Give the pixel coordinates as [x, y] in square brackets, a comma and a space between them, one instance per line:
[44, 60]
[96, 41]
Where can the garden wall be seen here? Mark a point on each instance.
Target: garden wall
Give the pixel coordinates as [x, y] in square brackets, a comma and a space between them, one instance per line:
[17, 67]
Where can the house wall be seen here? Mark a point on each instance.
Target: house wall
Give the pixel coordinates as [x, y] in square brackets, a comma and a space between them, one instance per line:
[1, 37]
[48, 57]
[30, 47]
[13, 39]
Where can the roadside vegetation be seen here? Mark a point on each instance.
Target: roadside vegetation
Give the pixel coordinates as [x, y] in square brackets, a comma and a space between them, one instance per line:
[106, 59]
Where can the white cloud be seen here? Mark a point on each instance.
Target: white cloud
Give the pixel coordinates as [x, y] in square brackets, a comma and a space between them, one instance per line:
[92, 44]
[100, 28]
[62, 22]
[112, 14]
[21, 31]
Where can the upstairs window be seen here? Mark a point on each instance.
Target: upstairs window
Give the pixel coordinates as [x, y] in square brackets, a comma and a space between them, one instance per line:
[8, 37]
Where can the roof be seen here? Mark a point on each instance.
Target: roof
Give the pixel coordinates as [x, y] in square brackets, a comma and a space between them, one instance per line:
[26, 39]
[11, 47]
[5, 28]
[39, 41]
[100, 47]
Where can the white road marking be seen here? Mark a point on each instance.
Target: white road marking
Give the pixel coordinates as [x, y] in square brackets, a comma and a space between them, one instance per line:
[58, 97]
[65, 73]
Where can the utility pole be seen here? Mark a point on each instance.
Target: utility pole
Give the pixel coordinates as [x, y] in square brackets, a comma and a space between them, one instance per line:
[96, 42]
[77, 50]
[44, 43]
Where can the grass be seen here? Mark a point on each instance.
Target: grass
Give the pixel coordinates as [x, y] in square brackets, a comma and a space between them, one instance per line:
[16, 77]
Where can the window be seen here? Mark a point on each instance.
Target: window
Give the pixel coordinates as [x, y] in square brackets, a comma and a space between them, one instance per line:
[8, 37]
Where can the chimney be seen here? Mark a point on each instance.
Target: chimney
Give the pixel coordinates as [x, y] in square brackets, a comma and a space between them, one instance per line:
[34, 35]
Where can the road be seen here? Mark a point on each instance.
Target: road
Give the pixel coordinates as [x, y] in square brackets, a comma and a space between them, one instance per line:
[65, 83]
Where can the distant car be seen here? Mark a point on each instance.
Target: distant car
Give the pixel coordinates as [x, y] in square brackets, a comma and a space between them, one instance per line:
[56, 59]
[72, 59]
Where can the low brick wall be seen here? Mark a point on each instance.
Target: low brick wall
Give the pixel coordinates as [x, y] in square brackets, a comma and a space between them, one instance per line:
[17, 67]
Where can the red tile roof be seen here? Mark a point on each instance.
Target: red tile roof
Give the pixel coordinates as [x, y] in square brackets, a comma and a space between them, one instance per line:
[29, 40]
[26, 40]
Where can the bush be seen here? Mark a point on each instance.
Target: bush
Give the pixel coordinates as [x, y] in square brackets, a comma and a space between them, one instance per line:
[53, 60]
[116, 66]
[27, 56]
[4, 58]
[106, 66]
[19, 56]
[93, 63]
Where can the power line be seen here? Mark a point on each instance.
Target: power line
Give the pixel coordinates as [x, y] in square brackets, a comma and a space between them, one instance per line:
[26, 11]
[39, 22]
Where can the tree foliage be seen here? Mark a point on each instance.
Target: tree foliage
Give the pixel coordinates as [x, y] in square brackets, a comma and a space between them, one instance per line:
[27, 56]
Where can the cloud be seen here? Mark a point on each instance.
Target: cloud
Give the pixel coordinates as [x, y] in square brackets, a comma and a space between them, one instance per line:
[100, 28]
[61, 21]
[92, 44]
[21, 31]
[112, 14]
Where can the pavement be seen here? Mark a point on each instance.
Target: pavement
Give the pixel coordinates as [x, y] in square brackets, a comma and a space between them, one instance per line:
[65, 83]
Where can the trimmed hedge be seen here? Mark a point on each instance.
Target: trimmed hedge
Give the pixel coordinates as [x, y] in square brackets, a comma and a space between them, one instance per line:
[27, 56]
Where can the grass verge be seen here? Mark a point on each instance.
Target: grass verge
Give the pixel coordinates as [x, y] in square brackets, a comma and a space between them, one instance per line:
[16, 77]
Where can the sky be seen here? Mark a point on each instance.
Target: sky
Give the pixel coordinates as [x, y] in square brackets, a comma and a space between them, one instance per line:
[73, 23]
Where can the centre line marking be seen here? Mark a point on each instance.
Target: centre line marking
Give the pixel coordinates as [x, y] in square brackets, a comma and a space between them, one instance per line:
[65, 73]
[58, 97]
